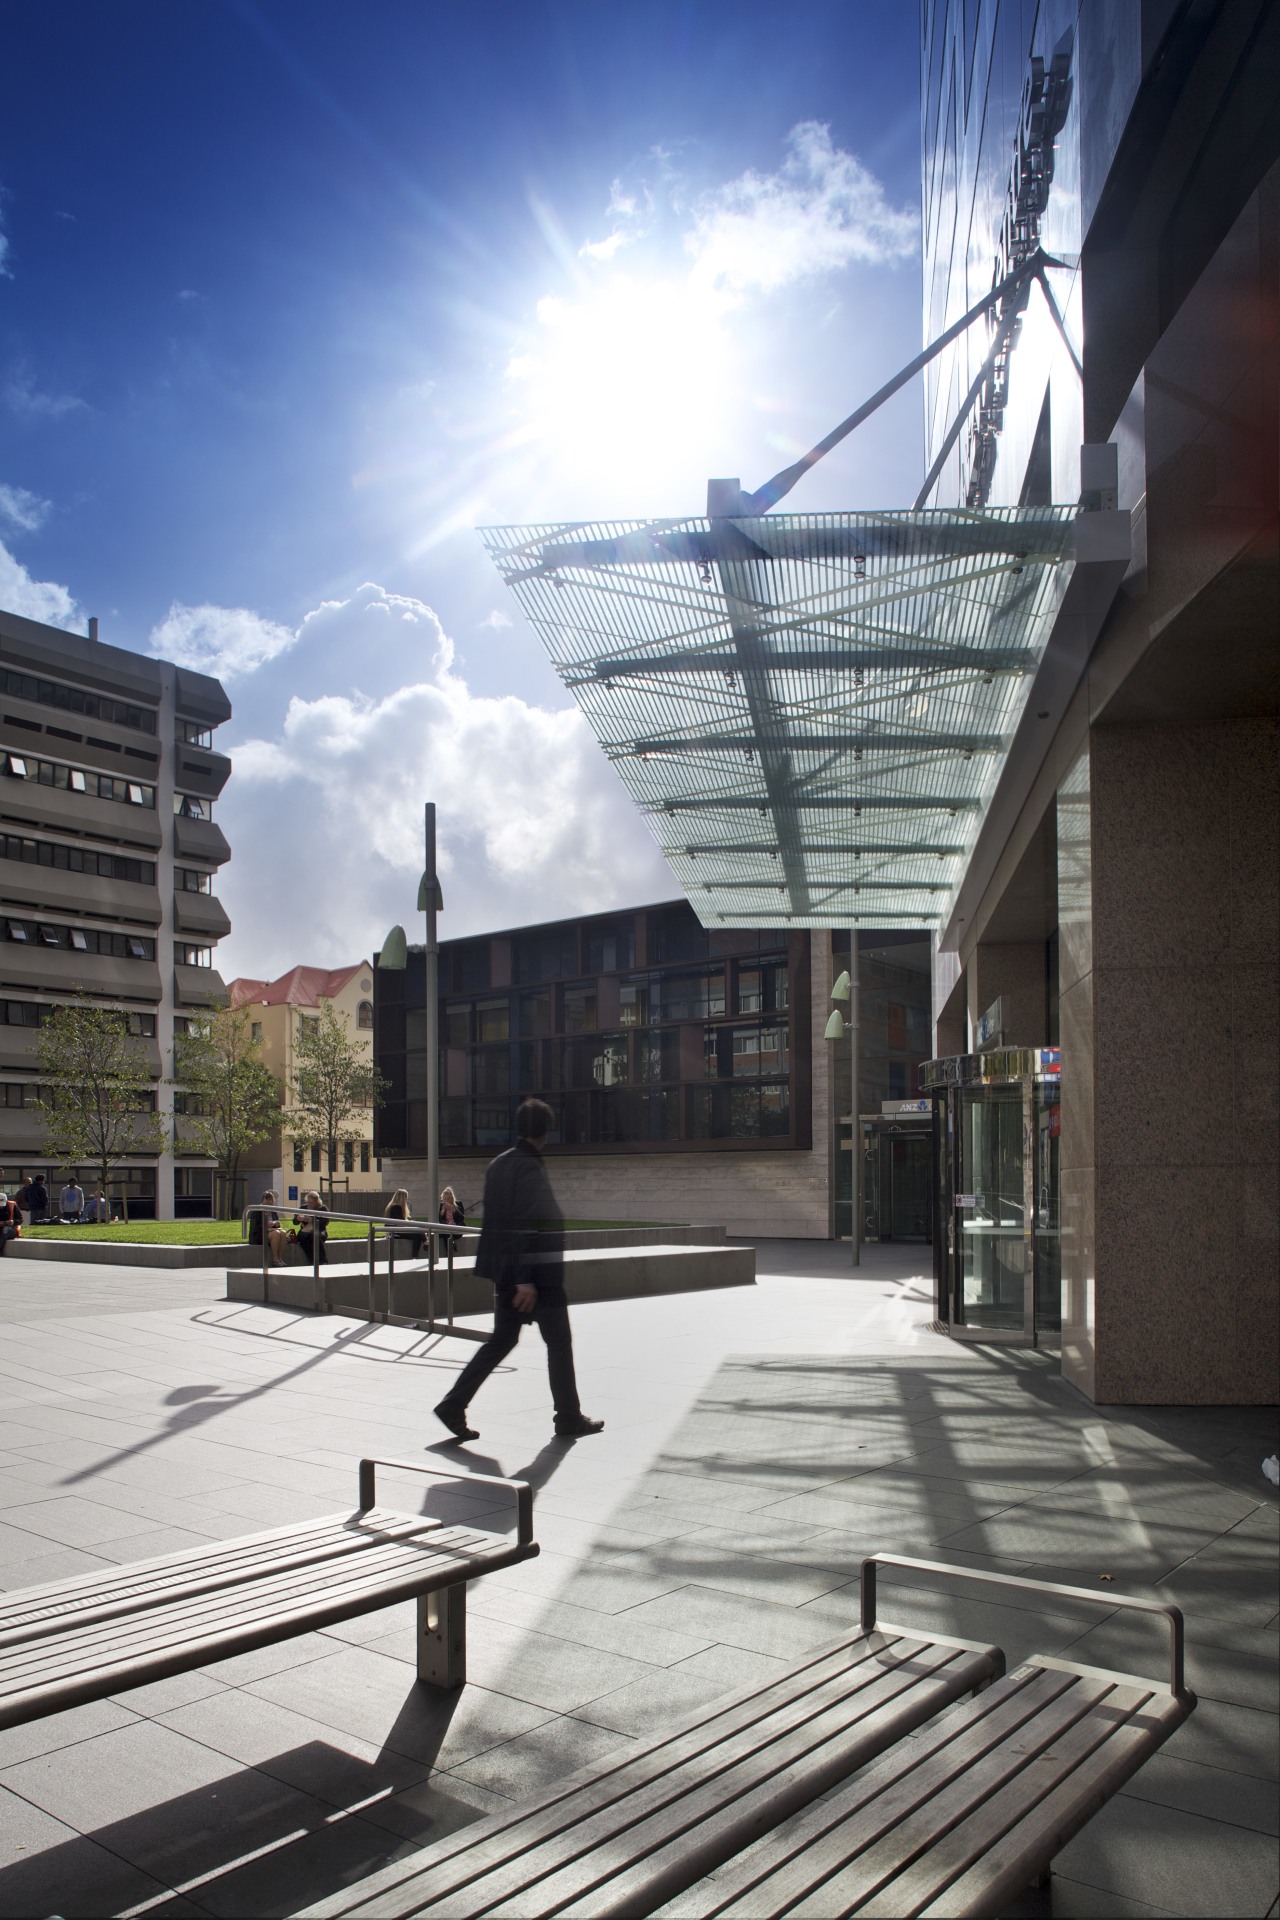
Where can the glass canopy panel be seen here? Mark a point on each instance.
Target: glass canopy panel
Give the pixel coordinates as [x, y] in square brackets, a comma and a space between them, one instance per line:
[811, 709]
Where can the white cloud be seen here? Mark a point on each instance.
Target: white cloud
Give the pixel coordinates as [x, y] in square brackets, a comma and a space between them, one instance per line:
[532, 821]
[30, 402]
[821, 212]
[223, 641]
[34, 599]
[22, 509]
[496, 620]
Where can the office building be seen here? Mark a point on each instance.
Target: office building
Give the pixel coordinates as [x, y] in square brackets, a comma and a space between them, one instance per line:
[1034, 712]
[109, 854]
[685, 1066]
[276, 1010]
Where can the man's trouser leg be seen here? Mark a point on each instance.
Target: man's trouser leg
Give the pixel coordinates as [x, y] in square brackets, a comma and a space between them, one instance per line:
[552, 1316]
[506, 1331]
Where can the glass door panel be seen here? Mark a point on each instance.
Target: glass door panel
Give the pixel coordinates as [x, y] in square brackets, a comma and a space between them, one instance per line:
[1048, 1226]
[994, 1244]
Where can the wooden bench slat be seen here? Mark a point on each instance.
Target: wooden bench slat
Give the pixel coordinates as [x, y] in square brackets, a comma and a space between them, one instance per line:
[109, 1577]
[495, 1862]
[1037, 1833]
[439, 1870]
[114, 1640]
[705, 1827]
[220, 1637]
[882, 1844]
[578, 1862]
[806, 1850]
[218, 1576]
[91, 1589]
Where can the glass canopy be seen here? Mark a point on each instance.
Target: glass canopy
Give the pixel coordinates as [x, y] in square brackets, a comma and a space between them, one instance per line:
[811, 709]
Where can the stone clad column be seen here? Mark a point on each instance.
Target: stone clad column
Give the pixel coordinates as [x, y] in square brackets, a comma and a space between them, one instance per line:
[1168, 965]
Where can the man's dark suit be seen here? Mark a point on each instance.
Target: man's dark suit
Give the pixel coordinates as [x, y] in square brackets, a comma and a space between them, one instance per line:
[522, 1243]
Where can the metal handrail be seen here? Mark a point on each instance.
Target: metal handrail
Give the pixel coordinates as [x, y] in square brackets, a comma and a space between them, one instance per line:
[393, 1227]
[1172, 1614]
[521, 1488]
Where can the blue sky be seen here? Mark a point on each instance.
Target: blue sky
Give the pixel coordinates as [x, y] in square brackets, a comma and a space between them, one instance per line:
[295, 294]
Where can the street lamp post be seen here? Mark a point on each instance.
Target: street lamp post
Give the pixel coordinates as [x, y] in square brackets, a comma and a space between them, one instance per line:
[429, 901]
[393, 957]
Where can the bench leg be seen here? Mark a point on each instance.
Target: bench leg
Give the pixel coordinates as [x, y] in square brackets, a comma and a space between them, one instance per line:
[442, 1637]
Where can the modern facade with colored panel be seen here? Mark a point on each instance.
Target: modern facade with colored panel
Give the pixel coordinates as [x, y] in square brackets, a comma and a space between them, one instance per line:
[685, 1066]
[109, 854]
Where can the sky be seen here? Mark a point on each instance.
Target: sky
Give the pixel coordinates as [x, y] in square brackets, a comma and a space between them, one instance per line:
[296, 294]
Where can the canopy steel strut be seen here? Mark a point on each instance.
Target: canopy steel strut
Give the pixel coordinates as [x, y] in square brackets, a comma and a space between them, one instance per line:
[725, 498]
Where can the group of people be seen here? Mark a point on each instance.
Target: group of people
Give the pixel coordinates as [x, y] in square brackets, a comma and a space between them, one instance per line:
[307, 1225]
[34, 1201]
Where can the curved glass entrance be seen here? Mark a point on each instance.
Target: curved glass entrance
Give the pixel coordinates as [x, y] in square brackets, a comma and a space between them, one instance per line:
[997, 1255]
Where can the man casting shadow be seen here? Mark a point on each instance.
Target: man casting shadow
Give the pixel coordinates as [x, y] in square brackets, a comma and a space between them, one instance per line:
[522, 1251]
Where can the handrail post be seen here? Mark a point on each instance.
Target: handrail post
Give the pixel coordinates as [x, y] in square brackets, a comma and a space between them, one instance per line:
[373, 1300]
[431, 1282]
[868, 1595]
[449, 1278]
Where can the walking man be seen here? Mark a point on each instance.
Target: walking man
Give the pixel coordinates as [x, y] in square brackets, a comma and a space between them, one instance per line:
[522, 1251]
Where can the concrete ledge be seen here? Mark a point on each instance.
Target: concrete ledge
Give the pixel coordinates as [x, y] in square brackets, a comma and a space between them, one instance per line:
[138, 1253]
[133, 1253]
[591, 1274]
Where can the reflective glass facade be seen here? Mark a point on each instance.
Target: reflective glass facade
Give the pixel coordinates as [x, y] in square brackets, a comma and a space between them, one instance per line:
[642, 1030]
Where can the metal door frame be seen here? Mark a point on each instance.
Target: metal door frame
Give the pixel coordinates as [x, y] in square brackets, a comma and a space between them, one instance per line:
[948, 1080]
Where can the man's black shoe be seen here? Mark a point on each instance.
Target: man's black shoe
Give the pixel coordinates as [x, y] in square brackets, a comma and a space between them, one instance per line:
[456, 1421]
[578, 1429]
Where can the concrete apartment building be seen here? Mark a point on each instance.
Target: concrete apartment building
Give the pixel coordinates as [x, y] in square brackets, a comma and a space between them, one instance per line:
[276, 1007]
[109, 855]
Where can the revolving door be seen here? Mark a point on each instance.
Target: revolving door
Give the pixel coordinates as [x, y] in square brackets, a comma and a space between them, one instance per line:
[997, 1255]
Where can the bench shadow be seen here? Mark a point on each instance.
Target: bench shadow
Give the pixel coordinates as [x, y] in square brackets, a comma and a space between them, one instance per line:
[261, 1840]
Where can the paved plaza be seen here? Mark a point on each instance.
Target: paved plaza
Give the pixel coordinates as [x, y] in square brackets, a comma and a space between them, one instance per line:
[758, 1442]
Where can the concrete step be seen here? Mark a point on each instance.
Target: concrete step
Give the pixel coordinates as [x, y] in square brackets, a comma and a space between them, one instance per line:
[591, 1274]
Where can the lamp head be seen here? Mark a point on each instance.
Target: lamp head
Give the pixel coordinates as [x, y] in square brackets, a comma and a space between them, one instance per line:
[835, 1026]
[394, 954]
[840, 991]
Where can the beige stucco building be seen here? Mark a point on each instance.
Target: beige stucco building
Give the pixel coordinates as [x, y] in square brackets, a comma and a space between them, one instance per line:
[277, 1009]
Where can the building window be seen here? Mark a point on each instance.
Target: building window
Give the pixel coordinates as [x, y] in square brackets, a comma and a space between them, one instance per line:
[191, 880]
[297, 1157]
[190, 806]
[348, 1156]
[364, 1016]
[255, 1029]
[315, 1159]
[364, 1156]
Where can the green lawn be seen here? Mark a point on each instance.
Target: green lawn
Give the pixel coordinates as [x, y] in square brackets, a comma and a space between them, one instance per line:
[221, 1233]
[176, 1233]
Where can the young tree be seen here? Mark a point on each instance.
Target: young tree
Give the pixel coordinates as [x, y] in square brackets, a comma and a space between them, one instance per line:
[334, 1086]
[97, 1097]
[230, 1097]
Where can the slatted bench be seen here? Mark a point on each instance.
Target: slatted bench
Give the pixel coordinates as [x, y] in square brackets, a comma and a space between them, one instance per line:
[102, 1633]
[927, 1805]
[621, 1836]
[960, 1819]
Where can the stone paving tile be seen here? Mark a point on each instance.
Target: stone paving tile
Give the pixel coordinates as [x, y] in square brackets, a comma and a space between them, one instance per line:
[1179, 1861]
[718, 1427]
[372, 1697]
[612, 1633]
[317, 1759]
[48, 1867]
[537, 1759]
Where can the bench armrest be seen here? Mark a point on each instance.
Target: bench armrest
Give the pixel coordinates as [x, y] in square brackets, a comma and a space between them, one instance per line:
[521, 1488]
[1049, 1588]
